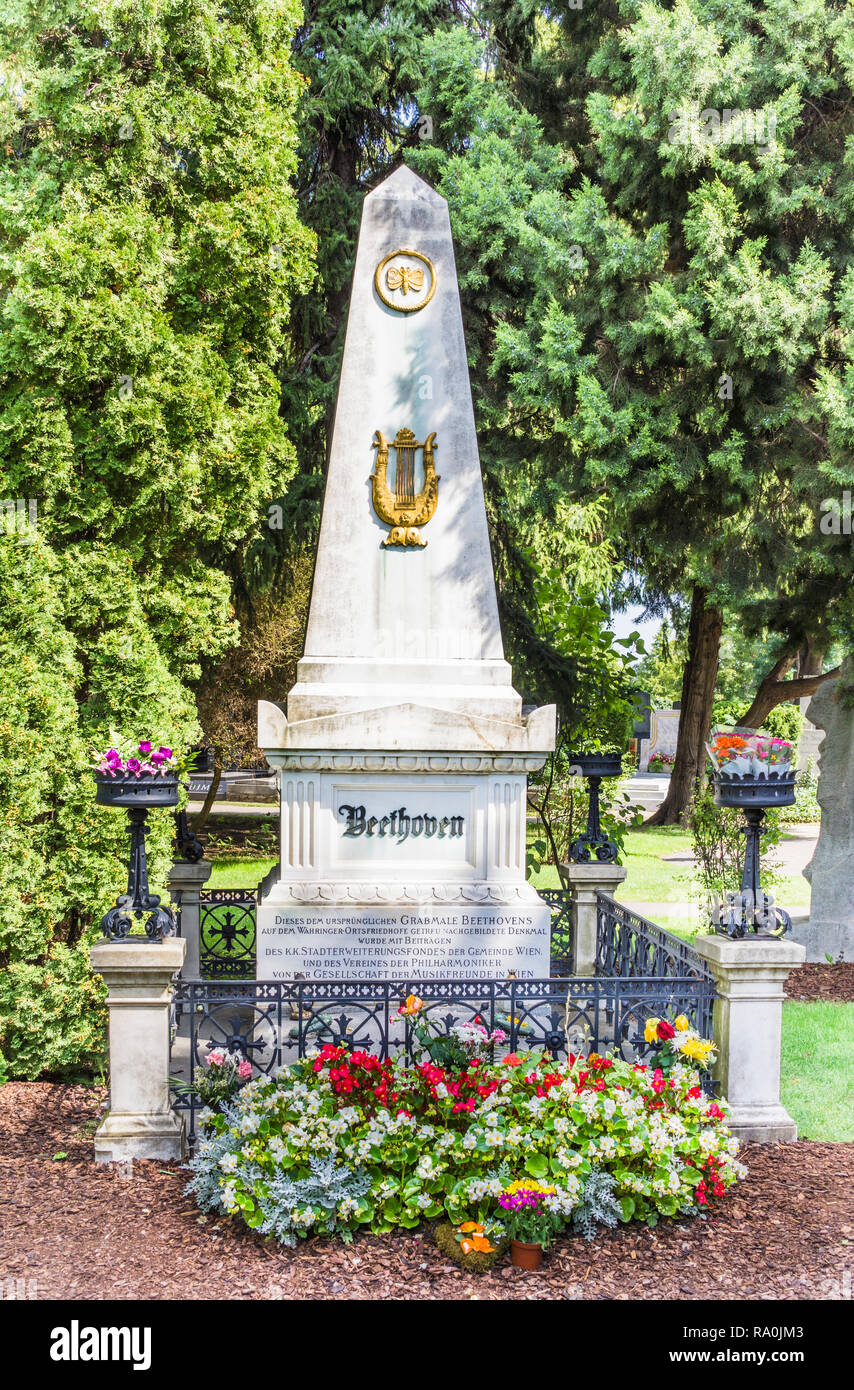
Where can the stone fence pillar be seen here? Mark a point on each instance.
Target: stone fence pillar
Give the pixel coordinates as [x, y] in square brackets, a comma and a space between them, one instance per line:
[586, 881]
[749, 977]
[140, 1122]
[185, 883]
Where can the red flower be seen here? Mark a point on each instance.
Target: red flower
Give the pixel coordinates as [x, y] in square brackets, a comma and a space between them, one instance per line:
[666, 1031]
[511, 1060]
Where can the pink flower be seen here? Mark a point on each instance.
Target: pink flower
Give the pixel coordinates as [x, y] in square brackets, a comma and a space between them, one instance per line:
[216, 1058]
[145, 747]
[244, 1070]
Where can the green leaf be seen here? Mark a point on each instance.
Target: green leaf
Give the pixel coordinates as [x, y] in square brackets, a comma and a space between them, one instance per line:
[537, 1165]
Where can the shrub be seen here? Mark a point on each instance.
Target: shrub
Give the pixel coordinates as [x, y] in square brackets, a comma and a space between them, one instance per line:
[717, 837]
[423, 1142]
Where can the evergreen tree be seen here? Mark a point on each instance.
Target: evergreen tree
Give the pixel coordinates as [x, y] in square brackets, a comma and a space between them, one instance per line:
[149, 249]
[700, 367]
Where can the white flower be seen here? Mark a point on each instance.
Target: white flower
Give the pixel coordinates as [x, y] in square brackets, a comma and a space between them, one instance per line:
[228, 1163]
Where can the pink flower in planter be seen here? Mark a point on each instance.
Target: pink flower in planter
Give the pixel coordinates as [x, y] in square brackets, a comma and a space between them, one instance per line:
[132, 765]
[145, 747]
[244, 1070]
[216, 1058]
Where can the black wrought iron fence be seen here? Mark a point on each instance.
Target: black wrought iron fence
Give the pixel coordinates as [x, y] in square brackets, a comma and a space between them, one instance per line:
[273, 1023]
[227, 927]
[630, 947]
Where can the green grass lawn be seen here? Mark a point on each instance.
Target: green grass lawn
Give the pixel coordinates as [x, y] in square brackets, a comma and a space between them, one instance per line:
[817, 1069]
[651, 879]
[239, 873]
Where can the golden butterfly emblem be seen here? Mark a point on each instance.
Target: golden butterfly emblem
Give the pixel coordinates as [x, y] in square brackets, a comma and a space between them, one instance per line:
[404, 278]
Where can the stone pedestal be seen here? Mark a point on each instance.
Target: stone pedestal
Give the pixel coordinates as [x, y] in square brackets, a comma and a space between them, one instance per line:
[140, 1122]
[185, 883]
[749, 977]
[586, 881]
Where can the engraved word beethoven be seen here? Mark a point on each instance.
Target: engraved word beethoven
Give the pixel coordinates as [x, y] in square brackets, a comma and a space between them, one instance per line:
[398, 825]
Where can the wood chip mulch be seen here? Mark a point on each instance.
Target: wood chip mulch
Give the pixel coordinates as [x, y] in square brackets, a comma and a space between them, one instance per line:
[818, 981]
[75, 1229]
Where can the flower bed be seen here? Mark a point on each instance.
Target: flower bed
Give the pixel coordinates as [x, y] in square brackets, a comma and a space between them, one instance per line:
[344, 1140]
[661, 762]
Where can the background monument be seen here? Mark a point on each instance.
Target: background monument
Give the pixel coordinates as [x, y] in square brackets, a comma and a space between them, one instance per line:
[404, 750]
[830, 929]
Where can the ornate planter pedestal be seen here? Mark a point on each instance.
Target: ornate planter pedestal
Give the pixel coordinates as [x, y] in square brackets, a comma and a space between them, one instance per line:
[137, 796]
[594, 843]
[754, 796]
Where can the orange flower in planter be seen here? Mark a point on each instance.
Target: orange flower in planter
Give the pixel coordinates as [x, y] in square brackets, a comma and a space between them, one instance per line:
[478, 1240]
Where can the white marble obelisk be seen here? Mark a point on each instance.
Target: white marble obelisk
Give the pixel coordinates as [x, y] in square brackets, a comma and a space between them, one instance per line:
[405, 751]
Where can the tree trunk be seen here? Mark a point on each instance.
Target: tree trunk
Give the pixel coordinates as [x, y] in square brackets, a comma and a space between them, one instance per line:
[775, 689]
[201, 819]
[698, 691]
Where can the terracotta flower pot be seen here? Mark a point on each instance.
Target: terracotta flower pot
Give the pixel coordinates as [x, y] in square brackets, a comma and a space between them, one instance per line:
[526, 1256]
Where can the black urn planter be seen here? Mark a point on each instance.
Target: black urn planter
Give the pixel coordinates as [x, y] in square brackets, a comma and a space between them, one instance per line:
[594, 843]
[741, 791]
[147, 791]
[138, 796]
[753, 915]
[597, 764]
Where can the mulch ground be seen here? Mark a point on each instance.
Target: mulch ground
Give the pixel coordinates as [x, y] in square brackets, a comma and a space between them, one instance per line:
[79, 1230]
[822, 982]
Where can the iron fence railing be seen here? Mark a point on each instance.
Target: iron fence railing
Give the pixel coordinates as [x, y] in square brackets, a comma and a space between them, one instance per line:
[275, 1022]
[227, 927]
[630, 947]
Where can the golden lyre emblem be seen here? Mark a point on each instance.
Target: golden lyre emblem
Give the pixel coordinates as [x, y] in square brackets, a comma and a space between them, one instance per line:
[405, 280]
[404, 510]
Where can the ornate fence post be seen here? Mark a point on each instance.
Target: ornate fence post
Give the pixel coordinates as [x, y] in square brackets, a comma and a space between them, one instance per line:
[749, 977]
[186, 880]
[586, 881]
[140, 1123]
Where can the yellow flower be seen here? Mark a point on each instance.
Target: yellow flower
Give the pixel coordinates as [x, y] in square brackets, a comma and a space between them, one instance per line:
[681, 1024]
[529, 1185]
[697, 1048]
[650, 1032]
